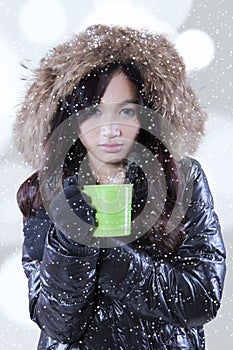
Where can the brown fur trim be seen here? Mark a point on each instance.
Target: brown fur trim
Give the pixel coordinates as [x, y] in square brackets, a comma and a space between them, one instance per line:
[166, 85]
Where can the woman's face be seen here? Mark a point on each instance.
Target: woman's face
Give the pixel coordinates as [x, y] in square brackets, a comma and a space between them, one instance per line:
[109, 129]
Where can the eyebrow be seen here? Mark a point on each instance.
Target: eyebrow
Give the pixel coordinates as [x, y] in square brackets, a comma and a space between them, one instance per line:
[122, 103]
[133, 100]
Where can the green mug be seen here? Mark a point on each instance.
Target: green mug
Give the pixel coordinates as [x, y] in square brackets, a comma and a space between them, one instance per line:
[113, 208]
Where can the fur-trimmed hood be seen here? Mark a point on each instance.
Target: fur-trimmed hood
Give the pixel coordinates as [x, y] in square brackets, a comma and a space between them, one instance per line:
[166, 86]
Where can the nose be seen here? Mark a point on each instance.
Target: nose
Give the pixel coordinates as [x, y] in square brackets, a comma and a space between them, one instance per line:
[110, 130]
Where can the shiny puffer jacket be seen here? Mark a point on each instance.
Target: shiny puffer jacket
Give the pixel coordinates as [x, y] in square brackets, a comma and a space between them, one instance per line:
[125, 297]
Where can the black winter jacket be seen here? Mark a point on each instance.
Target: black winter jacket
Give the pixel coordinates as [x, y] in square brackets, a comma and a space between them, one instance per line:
[128, 298]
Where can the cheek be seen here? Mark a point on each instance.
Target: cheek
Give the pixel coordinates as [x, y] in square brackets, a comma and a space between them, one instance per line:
[88, 137]
[131, 132]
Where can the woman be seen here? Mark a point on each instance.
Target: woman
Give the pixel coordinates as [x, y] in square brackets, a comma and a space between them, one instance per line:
[92, 115]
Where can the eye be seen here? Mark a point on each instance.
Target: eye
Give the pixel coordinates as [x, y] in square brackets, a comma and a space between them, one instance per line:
[93, 112]
[127, 112]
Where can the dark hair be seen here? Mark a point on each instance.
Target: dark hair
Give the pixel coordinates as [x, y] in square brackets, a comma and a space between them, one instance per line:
[86, 94]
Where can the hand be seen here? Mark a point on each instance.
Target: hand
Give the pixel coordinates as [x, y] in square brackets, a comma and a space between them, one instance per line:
[72, 212]
[121, 269]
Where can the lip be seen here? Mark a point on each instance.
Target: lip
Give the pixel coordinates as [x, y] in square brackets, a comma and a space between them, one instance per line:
[111, 147]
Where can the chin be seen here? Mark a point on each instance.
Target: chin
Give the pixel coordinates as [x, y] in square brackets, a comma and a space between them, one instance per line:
[114, 160]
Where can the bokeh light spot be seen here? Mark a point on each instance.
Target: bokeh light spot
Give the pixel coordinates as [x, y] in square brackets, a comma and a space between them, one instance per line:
[42, 21]
[196, 47]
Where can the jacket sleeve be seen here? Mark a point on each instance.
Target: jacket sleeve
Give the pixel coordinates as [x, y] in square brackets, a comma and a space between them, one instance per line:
[61, 288]
[186, 291]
